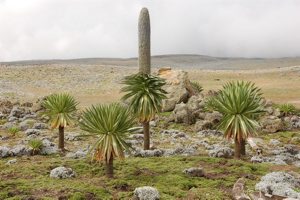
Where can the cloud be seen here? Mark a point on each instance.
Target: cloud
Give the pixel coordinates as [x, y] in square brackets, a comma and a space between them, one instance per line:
[46, 29]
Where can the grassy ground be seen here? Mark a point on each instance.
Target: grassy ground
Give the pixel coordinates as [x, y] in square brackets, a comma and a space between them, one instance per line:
[30, 177]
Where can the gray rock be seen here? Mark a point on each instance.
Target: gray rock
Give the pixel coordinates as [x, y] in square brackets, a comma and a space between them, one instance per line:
[48, 148]
[202, 125]
[26, 124]
[194, 172]
[221, 152]
[78, 154]
[4, 152]
[274, 142]
[213, 117]
[62, 172]
[32, 132]
[206, 133]
[257, 159]
[72, 136]
[137, 136]
[173, 133]
[178, 88]
[271, 124]
[19, 150]
[9, 125]
[12, 119]
[146, 193]
[10, 162]
[279, 183]
[182, 114]
[16, 111]
[148, 153]
[40, 125]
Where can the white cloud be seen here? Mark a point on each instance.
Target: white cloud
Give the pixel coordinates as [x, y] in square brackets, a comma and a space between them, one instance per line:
[45, 29]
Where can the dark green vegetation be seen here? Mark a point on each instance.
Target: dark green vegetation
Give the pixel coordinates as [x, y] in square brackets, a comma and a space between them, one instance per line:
[110, 124]
[60, 108]
[30, 177]
[145, 95]
[241, 103]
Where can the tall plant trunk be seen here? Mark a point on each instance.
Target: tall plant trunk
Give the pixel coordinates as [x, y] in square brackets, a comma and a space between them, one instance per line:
[243, 147]
[144, 42]
[237, 149]
[61, 138]
[110, 167]
[146, 129]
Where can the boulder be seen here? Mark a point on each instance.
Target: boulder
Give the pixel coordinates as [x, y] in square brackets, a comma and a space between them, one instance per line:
[146, 193]
[20, 150]
[40, 125]
[181, 114]
[148, 153]
[5, 152]
[202, 125]
[78, 154]
[221, 152]
[173, 133]
[17, 112]
[178, 87]
[272, 124]
[26, 124]
[48, 147]
[72, 136]
[209, 133]
[33, 132]
[62, 172]
[279, 183]
[194, 172]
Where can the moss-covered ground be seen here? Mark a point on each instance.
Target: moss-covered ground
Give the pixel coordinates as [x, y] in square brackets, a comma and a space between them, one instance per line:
[29, 177]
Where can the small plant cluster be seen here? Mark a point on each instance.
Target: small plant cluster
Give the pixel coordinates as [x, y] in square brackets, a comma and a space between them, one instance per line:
[36, 145]
[13, 131]
[287, 109]
[197, 87]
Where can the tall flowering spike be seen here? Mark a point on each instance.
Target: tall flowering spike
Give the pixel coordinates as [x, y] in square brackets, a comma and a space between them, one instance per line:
[144, 42]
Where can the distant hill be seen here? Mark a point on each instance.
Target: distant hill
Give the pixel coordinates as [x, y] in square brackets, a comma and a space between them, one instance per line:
[181, 61]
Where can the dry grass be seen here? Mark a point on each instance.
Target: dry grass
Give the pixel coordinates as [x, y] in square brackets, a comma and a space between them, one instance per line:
[92, 84]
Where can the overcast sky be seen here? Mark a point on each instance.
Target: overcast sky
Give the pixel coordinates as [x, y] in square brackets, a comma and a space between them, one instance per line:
[46, 29]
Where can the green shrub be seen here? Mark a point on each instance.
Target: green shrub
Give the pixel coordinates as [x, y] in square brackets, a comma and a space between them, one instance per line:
[197, 87]
[36, 145]
[287, 109]
[13, 131]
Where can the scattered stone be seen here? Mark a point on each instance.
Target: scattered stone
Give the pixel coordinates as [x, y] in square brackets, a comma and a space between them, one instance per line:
[72, 137]
[279, 183]
[32, 132]
[221, 152]
[206, 133]
[62, 172]
[274, 142]
[148, 153]
[10, 162]
[146, 193]
[4, 152]
[40, 125]
[173, 133]
[26, 124]
[194, 172]
[19, 150]
[78, 154]
[48, 147]
[203, 125]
